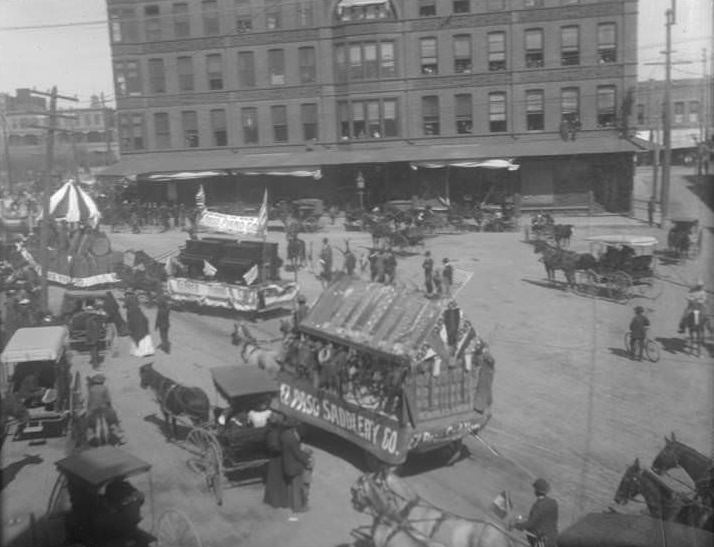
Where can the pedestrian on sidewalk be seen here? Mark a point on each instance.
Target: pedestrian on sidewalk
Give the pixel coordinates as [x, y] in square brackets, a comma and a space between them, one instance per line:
[162, 322]
[447, 276]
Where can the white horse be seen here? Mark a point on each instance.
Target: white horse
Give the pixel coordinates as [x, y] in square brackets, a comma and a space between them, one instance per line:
[252, 353]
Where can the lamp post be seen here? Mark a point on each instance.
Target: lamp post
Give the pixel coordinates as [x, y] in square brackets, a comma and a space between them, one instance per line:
[360, 189]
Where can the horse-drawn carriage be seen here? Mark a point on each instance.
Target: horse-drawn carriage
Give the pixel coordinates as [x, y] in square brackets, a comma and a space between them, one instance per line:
[78, 306]
[230, 444]
[36, 372]
[684, 238]
[625, 267]
[97, 505]
[388, 370]
[305, 215]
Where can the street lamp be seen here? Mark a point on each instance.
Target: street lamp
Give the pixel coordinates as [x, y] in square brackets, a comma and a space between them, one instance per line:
[360, 189]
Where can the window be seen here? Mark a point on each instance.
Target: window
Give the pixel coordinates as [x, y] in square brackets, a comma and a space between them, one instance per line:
[123, 26]
[387, 66]
[570, 46]
[184, 68]
[570, 105]
[427, 8]
[246, 69]
[128, 82]
[152, 23]
[249, 120]
[462, 54]
[243, 16]
[373, 119]
[464, 114]
[606, 43]
[429, 62]
[272, 14]
[534, 3]
[462, 6]
[211, 18]
[308, 115]
[182, 21]
[693, 111]
[219, 128]
[640, 114]
[305, 13]
[279, 116]
[276, 66]
[359, 129]
[606, 115]
[374, 125]
[162, 130]
[370, 60]
[389, 112]
[356, 70]
[157, 76]
[306, 57]
[678, 110]
[343, 119]
[131, 131]
[496, 112]
[496, 51]
[535, 117]
[430, 115]
[534, 48]
[214, 71]
[340, 63]
[189, 122]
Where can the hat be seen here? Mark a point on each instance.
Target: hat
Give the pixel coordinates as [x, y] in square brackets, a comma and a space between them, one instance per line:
[541, 486]
[639, 309]
[302, 299]
[97, 379]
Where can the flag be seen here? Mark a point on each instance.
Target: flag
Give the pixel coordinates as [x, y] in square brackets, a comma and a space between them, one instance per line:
[263, 215]
[502, 505]
[208, 270]
[251, 275]
[201, 198]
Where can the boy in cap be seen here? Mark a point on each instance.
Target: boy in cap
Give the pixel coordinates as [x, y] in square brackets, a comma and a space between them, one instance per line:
[541, 526]
[638, 332]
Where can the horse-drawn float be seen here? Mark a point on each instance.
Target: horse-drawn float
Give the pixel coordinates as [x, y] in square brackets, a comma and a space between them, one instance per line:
[95, 503]
[388, 370]
[37, 373]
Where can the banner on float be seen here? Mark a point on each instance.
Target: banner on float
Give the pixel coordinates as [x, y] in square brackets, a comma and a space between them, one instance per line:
[66, 280]
[232, 224]
[231, 297]
[376, 433]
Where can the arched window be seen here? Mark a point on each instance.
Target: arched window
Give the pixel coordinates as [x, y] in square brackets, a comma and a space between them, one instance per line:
[364, 10]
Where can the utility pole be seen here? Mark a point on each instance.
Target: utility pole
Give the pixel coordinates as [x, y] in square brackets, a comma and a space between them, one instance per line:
[653, 122]
[667, 116]
[107, 131]
[49, 160]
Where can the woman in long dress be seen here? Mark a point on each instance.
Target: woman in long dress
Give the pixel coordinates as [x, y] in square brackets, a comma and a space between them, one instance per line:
[138, 326]
[276, 487]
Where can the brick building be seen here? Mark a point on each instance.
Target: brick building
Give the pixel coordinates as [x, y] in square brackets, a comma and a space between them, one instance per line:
[239, 93]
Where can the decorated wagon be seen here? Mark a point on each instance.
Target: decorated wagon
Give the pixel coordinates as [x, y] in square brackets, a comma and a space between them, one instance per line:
[388, 370]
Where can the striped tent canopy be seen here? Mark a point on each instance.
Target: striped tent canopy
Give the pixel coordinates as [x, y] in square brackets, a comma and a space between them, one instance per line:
[73, 204]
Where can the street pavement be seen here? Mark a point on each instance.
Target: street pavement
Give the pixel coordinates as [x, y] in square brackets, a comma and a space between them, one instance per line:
[569, 404]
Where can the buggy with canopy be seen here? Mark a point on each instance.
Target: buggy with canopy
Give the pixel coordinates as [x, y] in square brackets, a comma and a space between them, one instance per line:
[684, 238]
[230, 444]
[388, 370]
[37, 371]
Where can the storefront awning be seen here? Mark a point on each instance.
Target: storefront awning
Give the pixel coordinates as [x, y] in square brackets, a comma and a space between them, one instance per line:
[185, 165]
[487, 164]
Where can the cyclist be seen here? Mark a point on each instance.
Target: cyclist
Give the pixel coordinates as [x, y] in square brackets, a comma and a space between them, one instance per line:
[638, 332]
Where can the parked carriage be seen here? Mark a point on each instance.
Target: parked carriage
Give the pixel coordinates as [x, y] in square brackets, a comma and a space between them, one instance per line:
[625, 267]
[684, 238]
[97, 505]
[228, 445]
[37, 371]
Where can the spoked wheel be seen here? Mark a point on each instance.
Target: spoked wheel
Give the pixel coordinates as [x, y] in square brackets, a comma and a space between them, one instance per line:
[175, 529]
[58, 503]
[652, 350]
[208, 459]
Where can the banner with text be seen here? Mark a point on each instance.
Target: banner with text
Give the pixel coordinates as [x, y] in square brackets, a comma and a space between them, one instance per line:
[232, 297]
[232, 224]
[377, 434]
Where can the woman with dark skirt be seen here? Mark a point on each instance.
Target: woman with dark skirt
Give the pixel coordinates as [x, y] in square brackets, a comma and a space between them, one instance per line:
[296, 462]
[276, 487]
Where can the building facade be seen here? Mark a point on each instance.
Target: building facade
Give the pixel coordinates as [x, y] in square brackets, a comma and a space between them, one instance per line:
[245, 86]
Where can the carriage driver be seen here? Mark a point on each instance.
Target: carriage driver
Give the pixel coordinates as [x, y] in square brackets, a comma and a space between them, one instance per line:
[542, 524]
[696, 298]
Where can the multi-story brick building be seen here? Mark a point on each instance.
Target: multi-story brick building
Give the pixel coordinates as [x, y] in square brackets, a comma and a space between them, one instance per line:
[232, 88]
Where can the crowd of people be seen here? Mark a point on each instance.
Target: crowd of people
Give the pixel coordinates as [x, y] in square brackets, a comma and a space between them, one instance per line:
[139, 215]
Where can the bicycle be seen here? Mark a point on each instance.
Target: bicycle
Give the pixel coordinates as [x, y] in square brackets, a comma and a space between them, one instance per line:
[651, 348]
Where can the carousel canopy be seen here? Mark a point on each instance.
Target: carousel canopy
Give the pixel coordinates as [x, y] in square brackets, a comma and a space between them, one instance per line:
[73, 204]
[396, 323]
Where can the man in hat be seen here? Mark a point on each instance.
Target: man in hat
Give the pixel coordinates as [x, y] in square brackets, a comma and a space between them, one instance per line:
[326, 260]
[162, 322]
[92, 329]
[428, 267]
[541, 526]
[696, 299]
[638, 332]
[301, 311]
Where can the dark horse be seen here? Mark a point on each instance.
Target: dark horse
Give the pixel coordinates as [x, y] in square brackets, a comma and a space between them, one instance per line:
[662, 501]
[175, 399]
[698, 466]
[562, 234]
[555, 258]
[696, 322]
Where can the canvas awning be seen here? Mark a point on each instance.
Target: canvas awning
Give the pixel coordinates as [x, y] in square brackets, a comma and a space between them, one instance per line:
[236, 381]
[486, 164]
[165, 165]
[35, 344]
[100, 465]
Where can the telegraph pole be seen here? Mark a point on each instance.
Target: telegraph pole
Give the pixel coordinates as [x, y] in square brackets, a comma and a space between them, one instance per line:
[667, 116]
[46, 186]
[653, 122]
[107, 132]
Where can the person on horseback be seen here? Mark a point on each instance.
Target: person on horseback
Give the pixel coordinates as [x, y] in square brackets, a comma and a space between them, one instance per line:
[99, 402]
[638, 332]
[542, 523]
[696, 299]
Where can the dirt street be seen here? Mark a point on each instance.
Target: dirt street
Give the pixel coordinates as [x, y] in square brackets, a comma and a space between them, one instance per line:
[569, 405]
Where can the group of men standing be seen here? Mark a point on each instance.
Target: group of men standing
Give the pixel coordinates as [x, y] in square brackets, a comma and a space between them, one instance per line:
[438, 281]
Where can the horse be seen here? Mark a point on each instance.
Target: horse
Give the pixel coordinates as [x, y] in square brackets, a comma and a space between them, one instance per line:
[554, 258]
[175, 399]
[99, 431]
[251, 352]
[696, 465]
[390, 498]
[662, 501]
[696, 322]
[562, 234]
[387, 533]
[297, 254]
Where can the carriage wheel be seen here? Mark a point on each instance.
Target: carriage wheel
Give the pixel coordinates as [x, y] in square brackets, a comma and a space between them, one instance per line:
[175, 529]
[58, 503]
[214, 472]
[652, 350]
[621, 287]
[208, 459]
[198, 441]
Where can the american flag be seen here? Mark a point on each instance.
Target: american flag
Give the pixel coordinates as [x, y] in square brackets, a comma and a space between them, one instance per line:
[263, 215]
[201, 198]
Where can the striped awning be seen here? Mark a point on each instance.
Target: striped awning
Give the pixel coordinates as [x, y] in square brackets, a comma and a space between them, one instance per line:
[73, 204]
